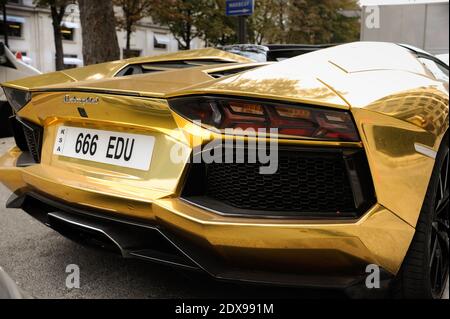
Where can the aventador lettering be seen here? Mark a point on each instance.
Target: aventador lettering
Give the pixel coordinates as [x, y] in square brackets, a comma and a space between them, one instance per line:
[83, 100]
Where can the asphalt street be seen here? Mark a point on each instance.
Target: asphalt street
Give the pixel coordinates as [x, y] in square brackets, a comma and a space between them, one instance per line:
[36, 257]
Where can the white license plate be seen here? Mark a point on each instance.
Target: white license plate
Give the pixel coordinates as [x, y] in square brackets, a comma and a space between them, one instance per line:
[114, 148]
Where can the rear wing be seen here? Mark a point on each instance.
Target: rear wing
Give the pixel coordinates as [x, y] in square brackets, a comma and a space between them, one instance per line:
[133, 66]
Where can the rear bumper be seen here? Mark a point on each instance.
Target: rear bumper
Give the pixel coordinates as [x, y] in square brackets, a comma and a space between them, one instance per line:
[157, 243]
[168, 229]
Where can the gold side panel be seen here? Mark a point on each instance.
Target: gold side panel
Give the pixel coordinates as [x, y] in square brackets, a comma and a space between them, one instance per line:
[400, 174]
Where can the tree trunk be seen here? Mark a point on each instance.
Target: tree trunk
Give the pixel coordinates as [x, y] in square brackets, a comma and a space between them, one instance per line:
[129, 32]
[5, 25]
[188, 36]
[59, 55]
[99, 31]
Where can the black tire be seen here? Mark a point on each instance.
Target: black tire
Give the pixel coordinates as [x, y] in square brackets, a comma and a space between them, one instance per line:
[424, 273]
[5, 114]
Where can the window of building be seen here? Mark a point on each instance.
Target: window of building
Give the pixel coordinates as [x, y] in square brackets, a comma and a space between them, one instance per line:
[131, 53]
[14, 26]
[160, 41]
[68, 30]
[71, 61]
[68, 34]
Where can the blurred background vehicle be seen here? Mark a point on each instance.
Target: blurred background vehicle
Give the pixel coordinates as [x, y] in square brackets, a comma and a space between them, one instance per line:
[443, 58]
[272, 52]
[8, 288]
[10, 69]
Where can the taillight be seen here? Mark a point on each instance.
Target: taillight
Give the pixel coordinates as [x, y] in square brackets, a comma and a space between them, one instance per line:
[291, 120]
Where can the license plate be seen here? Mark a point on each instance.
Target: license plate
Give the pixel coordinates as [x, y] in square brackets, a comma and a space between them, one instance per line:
[107, 147]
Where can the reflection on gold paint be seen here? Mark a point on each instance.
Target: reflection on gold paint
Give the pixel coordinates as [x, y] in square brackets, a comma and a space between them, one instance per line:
[281, 86]
[403, 144]
[400, 174]
[425, 108]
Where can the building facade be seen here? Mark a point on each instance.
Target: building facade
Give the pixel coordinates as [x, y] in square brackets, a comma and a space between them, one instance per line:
[31, 33]
[423, 25]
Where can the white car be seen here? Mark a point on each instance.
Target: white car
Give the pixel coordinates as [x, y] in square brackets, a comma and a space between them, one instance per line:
[443, 58]
[10, 69]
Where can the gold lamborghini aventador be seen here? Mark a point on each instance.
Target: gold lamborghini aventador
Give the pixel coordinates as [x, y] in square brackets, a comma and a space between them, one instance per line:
[304, 172]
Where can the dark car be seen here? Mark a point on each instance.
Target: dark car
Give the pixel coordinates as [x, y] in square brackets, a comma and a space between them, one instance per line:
[273, 52]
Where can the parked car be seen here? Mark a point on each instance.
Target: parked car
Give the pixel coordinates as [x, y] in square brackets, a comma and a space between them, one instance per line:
[132, 155]
[273, 52]
[443, 58]
[10, 69]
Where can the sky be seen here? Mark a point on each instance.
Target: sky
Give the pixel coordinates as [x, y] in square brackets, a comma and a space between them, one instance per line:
[380, 2]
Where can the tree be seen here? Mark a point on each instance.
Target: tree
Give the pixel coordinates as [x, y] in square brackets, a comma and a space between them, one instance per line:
[184, 17]
[267, 24]
[99, 31]
[57, 10]
[216, 28]
[322, 21]
[133, 12]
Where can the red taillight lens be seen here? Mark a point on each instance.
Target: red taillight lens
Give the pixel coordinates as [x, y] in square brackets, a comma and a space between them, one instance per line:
[291, 120]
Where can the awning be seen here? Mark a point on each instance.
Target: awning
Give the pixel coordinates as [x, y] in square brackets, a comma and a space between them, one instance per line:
[162, 38]
[13, 19]
[73, 61]
[70, 25]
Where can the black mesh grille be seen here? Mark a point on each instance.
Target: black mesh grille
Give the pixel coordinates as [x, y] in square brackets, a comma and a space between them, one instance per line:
[28, 137]
[307, 183]
[33, 144]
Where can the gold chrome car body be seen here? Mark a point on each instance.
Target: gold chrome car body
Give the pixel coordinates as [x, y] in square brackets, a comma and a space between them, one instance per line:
[396, 105]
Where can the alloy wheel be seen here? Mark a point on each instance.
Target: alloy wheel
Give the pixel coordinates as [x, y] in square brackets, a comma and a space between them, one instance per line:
[439, 243]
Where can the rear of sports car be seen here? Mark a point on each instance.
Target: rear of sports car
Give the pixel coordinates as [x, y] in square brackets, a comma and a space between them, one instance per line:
[245, 178]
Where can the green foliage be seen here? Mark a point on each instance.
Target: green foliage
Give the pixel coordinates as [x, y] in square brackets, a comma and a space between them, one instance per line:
[321, 21]
[185, 18]
[216, 28]
[274, 21]
[268, 23]
[133, 12]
